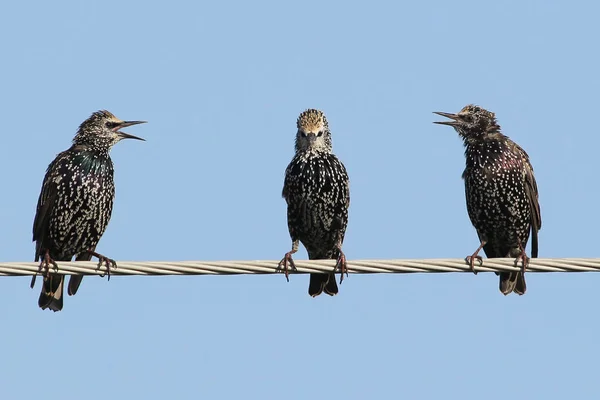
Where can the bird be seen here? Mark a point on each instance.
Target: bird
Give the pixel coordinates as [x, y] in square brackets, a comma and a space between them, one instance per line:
[501, 193]
[317, 192]
[75, 204]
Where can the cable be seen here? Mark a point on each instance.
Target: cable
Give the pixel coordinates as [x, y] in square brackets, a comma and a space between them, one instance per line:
[304, 266]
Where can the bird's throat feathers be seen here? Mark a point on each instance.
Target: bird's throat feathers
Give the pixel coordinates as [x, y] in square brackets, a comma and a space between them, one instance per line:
[93, 162]
[492, 151]
[312, 152]
[474, 139]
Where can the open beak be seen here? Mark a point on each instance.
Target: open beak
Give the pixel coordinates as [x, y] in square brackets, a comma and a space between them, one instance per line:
[453, 117]
[124, 135]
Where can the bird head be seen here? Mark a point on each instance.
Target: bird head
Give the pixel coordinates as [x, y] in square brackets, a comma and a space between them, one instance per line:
[313, 132]
[472, 123]
[102, 130]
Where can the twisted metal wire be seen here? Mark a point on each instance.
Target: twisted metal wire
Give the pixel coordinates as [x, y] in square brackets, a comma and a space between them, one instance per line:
[303, 266]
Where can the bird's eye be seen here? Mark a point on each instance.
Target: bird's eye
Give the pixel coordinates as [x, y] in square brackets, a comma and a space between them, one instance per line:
[320, 134]
[110, 124]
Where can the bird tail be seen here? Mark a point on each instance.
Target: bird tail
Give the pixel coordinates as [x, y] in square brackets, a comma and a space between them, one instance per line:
[512, 282]
[320, 283]
[75, 280]
[509, 281]
[51, 295]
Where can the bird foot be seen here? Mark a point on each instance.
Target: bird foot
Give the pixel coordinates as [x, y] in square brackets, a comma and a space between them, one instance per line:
[523, 257]
[471, 261]
[109, 262]
[341, 266]
[283, 265]
[44, 265]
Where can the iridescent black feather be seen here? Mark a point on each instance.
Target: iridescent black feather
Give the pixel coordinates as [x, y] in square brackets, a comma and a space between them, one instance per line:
[76, 201]
[500, 189]
[316, 189]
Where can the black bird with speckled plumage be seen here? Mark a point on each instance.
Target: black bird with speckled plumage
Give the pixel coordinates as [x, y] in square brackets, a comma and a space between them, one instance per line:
[501, 192]
[76, 203]
[317, 193]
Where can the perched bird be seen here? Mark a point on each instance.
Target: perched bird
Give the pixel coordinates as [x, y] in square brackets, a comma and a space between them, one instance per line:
[316, 189]
[76, 202]
[501, 192]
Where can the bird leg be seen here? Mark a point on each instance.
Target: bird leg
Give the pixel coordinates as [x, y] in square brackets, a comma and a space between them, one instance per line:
[471, 259]
[287, 259]
[44, 264]
[110, 263]
[341, 265]
[522, 256]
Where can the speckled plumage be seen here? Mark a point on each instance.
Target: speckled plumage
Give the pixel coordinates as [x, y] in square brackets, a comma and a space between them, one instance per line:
[76, 201]
[317, 193]
[501, 191]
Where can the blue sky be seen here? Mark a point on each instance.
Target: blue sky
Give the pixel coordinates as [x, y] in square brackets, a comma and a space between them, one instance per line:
[221, 85]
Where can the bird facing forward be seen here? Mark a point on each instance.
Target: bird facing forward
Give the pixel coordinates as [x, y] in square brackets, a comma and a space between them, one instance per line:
[317, 193]
[501, 192]
[75, 204]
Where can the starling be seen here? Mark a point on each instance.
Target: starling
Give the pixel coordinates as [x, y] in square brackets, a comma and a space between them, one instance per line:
[317, 193]
[76, 202]
[501, 192]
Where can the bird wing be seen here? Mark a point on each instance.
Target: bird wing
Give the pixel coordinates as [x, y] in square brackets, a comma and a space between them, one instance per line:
[536, 215]
[531, 191]
[295, 202]
[341, 198]
[46, 202]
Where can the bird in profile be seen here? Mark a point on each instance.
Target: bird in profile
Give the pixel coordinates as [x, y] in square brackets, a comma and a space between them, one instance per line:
[316, 189]
[75, 204]
[501, 192]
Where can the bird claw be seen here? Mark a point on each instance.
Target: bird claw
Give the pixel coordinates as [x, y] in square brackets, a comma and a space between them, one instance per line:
[471, 261]
[110, 264]
[341, 266]
[523, 257]
[44, 265]
[284, 263]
